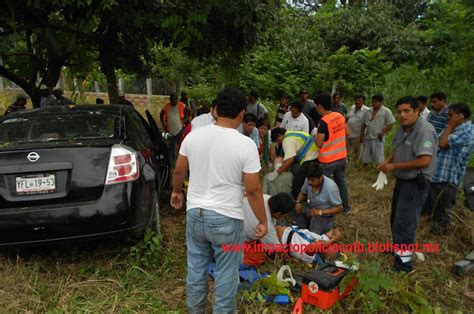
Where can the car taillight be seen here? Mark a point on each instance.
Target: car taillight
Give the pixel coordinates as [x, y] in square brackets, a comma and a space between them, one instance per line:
[123, 165]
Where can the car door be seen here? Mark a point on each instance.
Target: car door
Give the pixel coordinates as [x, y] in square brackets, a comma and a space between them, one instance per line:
[162, 155]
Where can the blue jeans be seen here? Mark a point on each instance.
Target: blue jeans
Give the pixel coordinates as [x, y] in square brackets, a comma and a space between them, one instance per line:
[206, 231]
[337, 171]
[408, 199]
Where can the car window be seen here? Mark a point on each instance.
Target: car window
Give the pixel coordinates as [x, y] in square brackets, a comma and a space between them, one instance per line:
[57, 127]
[140, 133]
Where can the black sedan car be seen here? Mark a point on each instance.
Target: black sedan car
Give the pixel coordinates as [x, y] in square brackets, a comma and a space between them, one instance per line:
[75, 172]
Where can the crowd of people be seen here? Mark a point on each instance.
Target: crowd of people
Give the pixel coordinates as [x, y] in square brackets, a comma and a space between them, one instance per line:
[305, 156]
[284, 181]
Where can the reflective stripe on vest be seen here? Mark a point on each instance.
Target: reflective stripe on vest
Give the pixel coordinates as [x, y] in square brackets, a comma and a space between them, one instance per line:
[305, 139]
[167, 108]
[335, 147]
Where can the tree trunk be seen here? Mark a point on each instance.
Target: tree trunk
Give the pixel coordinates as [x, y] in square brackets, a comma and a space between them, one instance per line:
[108, 68]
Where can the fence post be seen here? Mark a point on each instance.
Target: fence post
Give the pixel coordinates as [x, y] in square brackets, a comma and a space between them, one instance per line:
[148, 91]
[76, 86]
[97, 88]
[120, 84]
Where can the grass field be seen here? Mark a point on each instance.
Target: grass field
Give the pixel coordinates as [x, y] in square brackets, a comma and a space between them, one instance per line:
[109, 276]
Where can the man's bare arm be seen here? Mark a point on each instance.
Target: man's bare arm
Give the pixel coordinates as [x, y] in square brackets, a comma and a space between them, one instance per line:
[179, 175]
[319, 139]
[330, 211]
[286, 165]
[253, 190]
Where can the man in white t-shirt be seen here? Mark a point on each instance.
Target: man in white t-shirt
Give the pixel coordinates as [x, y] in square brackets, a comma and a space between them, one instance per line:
[295, 120]
[355, 119]
[222, 164]
[424, 111]
[205, 119]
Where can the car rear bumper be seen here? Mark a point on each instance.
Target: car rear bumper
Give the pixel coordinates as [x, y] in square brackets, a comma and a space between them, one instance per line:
[112, 213]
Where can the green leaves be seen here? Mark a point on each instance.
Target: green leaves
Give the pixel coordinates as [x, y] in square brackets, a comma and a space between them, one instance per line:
[269, 286]
[379, 291]
[148, 252]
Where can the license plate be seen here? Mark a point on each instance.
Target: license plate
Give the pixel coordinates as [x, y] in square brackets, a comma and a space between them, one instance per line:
[36, 184]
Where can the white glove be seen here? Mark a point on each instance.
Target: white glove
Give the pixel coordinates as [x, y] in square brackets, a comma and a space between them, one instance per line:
[381, 181]
[271, 176]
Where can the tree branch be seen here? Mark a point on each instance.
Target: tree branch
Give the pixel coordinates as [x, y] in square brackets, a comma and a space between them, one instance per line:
[16, 79]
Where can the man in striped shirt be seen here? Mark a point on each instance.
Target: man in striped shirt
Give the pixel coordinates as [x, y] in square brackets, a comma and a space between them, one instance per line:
[283, 108]
[456, 144]
[438, 117]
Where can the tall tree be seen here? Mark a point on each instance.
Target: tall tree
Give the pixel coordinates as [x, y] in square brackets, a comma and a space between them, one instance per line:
[40, 38]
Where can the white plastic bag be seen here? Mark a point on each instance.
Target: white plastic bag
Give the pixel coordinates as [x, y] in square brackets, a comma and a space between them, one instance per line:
[289, 279]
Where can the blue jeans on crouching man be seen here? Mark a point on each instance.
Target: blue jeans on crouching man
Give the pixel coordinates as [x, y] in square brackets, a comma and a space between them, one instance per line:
[206, 231]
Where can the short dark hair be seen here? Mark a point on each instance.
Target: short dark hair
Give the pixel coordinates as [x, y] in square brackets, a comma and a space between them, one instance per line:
[297, 105]
[438, 95]
[324, 100]
[281, 203]
[99, 101]
[314, 171]
[201, 111]
[173, 96]
[422, 98]
[408, 100]
[214, 103]
[262, 122]
[377, 97]
[303, 91]
[254, 94]
[461, 108]
[336, 94]
[276, 132]
[357, 96]
[250, 117]
[282, 95]
[230, 103]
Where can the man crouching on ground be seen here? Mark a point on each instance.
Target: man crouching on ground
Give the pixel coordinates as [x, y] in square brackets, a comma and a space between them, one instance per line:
[221, 162]
[276, 207]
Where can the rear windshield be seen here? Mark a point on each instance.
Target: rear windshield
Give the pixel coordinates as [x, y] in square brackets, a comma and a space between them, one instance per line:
[57, 128]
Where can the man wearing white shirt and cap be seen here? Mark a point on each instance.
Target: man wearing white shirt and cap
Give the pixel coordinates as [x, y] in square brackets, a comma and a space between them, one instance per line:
[295, 120]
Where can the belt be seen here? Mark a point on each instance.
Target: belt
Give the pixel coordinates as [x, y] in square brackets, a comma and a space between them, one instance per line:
[290, 237]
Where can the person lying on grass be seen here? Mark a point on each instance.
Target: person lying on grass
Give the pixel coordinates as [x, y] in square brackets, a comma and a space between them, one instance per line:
[308, 246]
[276, 208]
